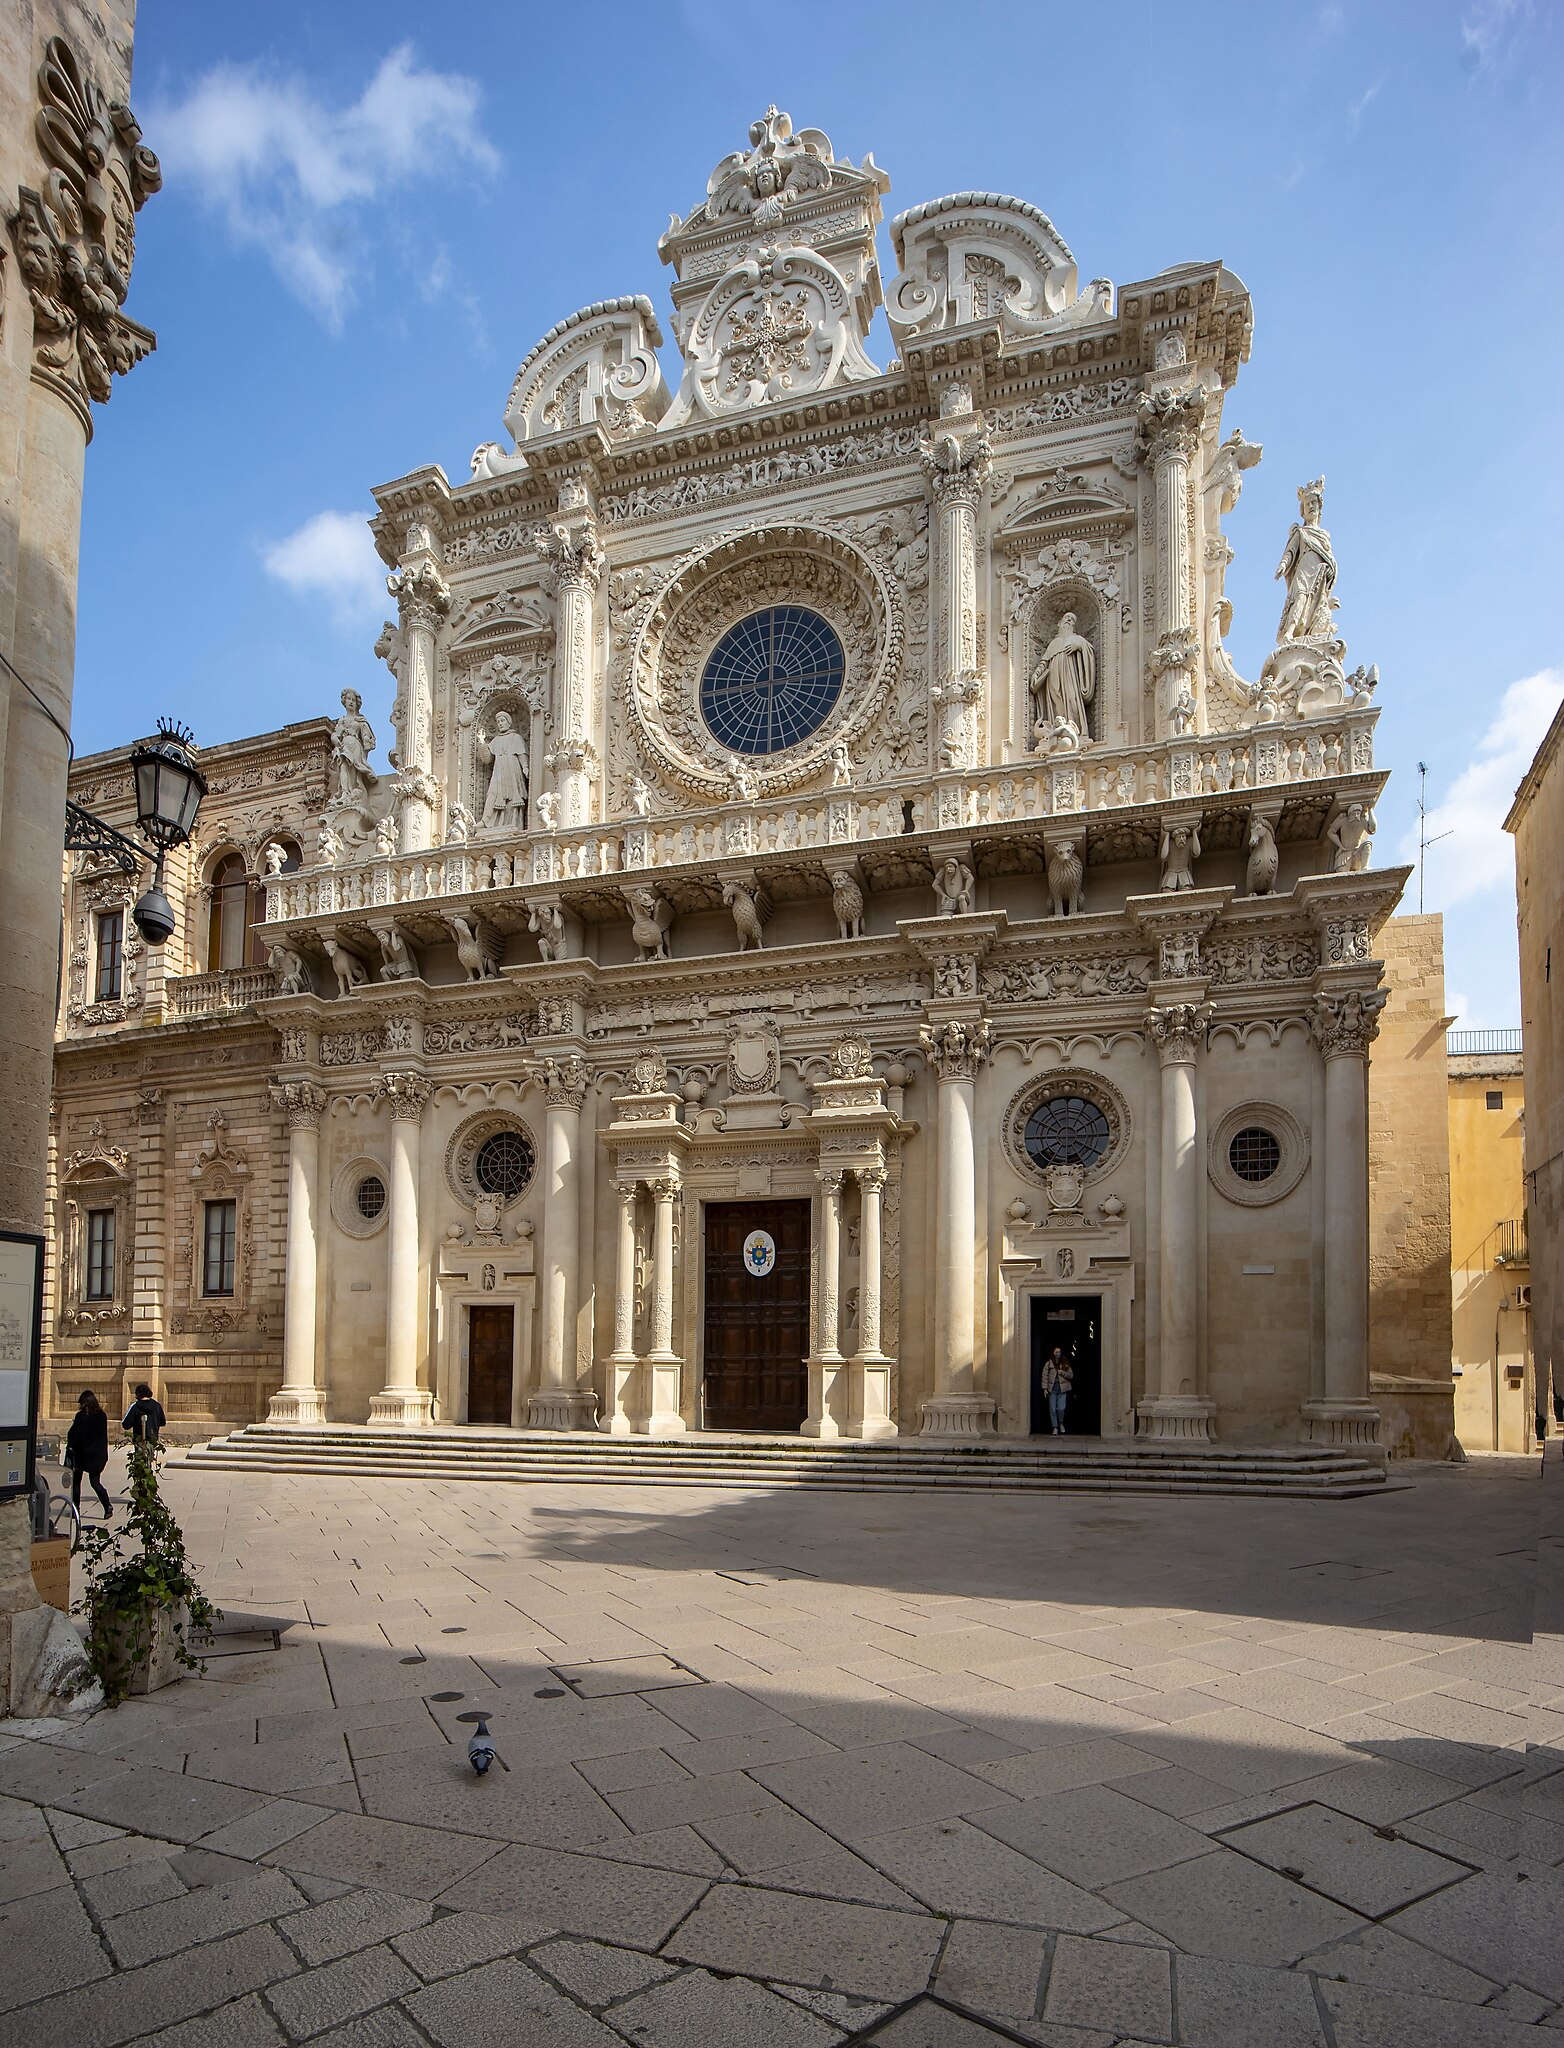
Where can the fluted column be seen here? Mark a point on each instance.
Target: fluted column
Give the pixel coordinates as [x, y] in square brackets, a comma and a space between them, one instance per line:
[872, 1371]
[826, 1382]
[1177, 1408]
[423, 600]
[402, 1400]
[576, 563]
[957, 461]
[955, 1051]
[664, 1364]
[1345, 1024]
[622, 1364]
[1169, 437]
[301, 1398]
[558, 1402]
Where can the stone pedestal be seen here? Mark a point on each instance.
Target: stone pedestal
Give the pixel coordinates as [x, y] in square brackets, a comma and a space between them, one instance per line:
[961, 1416]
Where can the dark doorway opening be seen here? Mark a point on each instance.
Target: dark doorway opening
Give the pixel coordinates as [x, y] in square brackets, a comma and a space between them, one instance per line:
[1070, 1325]
[491, 1337]
[757, 1315]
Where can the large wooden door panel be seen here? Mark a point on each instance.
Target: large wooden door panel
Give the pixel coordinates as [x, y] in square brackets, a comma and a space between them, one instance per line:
[756, 1325]
[490, 1350]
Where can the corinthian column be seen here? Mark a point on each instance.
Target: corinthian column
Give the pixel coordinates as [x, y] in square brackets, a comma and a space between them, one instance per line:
[955, 1051]
[1345, 1024]
[402, 1400]
[956, 459]
[1169, 436]
[558, 1403]
[576, 562]
[422, 601]
[666, 1366]
[825, 1367]
[623, 1363]
[301, 1398]
[1178, 1409]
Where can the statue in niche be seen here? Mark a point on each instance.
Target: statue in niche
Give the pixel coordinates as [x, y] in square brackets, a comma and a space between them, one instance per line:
[505, 805]
[1308, 567]
[1064, 681]
[352, 741]
[274, 858]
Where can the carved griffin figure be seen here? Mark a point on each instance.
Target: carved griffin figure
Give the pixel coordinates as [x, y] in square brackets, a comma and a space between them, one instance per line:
[745, 906]
[477, 948]
[651, 916]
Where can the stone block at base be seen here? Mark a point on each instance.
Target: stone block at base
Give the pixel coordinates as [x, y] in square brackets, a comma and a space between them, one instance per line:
[959, 1416]
[621, 1383]
[871, 1401]
[297, 1404]
[827, 1398]
[562, 1408]
[1176, 1418]
[401, 1408]
[1344, 1426]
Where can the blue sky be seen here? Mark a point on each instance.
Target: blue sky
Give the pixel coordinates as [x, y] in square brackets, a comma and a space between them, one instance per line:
[371, 212]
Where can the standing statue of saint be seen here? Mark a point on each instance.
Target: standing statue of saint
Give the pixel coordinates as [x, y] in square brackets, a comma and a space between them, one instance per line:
[1064, 680]
[505, 806]
[1308, 568]
[352, 739]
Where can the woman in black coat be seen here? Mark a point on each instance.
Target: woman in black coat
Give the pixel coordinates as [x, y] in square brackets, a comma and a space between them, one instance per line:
[87, 1448]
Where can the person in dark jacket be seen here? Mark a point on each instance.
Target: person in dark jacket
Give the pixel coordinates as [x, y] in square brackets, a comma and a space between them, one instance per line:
[144, 1418]
[87, 1449]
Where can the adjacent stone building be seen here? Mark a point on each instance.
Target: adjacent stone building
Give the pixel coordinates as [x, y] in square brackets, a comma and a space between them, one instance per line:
[1490, 1260]
[840, 940]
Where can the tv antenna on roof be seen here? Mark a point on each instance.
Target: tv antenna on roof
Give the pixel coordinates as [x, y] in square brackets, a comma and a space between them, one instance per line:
[1423, 840]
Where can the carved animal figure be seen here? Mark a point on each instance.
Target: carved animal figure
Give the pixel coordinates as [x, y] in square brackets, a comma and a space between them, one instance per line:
[398, 963]
[955, 888]
[1180, 850]
[477, 948]
[1066, 876]
[548, 921]
[1260, 875]
[650, 918]
[847, 902]
[746, 914]
[288, 966]
[349, 969]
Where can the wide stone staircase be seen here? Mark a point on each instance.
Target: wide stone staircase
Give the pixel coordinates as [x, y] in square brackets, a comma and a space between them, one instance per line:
[1072, 1465]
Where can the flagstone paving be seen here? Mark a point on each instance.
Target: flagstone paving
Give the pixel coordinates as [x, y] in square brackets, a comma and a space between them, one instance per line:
[932, 1772]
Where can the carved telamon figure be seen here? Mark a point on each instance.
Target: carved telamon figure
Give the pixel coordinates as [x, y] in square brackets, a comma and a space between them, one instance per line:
[1308, 567]
[955, 888]
[1064, 680]
[352, 741]
[1351, 835]
[1180, 850]
[505, 805]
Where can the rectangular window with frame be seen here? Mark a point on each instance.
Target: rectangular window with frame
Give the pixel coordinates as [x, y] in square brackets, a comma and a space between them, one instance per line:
[217, 1265]
[111, 956]
[100, 1255]
[1496, 1098]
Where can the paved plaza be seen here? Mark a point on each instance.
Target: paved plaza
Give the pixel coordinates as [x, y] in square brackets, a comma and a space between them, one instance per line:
[793, 1769]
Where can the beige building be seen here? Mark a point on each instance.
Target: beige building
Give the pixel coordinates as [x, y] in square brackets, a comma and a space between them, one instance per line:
[1537, 820]
[1490, 1266]
[840, 943]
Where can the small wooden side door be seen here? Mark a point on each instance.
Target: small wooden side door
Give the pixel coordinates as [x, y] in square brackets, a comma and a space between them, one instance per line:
[491, 1335]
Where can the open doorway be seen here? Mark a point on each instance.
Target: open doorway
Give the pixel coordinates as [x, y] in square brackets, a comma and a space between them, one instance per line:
[1067, 1353]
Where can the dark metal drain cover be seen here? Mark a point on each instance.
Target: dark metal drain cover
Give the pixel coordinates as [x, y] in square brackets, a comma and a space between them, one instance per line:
[445, 1698]
[412, 1660]
[549, 1692]
[453, 1631]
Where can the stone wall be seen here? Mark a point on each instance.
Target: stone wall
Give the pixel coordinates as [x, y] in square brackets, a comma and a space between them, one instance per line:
[1409, 1195]
[1491, 1349]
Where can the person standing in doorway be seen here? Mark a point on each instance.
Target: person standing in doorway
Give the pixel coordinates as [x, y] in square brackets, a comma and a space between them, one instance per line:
[144, 1419]
[1058, 1385]
[87, 1449]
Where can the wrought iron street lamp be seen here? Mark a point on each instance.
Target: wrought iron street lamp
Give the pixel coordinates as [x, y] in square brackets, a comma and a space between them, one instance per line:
[169, 789]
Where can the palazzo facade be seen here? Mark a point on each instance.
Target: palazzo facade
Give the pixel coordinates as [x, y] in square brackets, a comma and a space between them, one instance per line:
[839, 940]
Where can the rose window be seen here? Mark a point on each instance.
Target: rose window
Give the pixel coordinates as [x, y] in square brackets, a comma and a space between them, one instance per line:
[504, 1164]
[772, 680]
[1067, 1130]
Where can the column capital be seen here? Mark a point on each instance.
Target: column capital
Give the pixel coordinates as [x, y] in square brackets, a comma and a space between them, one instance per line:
[830, 1179]
[1345, 1024]
[627, 1190]
[573, 553]
[407, 1093]
[1178, 1030]
[666, 1188]
[421, 592]
[957, 1047]
[564, 1080]
[1169, 424]
[301, 1102]
[873, 1177]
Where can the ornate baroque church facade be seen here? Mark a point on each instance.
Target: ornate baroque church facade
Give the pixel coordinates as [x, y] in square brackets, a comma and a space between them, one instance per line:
[840, 950]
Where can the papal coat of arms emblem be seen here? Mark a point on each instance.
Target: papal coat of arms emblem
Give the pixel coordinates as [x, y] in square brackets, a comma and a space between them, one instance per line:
[760, 1253]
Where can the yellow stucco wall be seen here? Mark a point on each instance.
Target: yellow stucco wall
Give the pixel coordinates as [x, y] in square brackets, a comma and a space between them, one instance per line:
[1490, 1324]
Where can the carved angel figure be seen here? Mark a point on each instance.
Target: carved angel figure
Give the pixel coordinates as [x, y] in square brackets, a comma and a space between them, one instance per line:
[548, 810]
[1179, 851]
[548, 921]
[651, 916]
[847, 902]
[288, 966]
[1066, 878]
[1064, 680]
[1351, 834]
[778, 168]
[743, 784]
[352, 741]
[460, 824]
[505, 805]
[328, 844]
[274, 858]
[385, 836]
[1182, 715]
[955, 888]
[841, 766]
[640, 797]
[1260, 874]
[1308, 567]
[350, 971]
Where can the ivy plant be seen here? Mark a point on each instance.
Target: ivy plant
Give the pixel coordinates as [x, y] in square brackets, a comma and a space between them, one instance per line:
[126, 1590]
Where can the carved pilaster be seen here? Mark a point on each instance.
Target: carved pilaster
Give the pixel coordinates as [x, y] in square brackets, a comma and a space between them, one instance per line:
[1169, 436]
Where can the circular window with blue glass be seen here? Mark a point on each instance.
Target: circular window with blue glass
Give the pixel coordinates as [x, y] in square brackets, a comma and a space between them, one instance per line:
[772, 680]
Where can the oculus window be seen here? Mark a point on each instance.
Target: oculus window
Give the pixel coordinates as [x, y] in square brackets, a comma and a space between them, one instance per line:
[1254, 1153]
[1067, 1130]
[370, 1196]
[772, 680]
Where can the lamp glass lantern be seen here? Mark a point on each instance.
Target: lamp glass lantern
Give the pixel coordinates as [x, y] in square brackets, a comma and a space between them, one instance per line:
[169, 789]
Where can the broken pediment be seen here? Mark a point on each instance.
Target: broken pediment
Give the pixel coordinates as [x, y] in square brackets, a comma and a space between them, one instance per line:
[983, 257]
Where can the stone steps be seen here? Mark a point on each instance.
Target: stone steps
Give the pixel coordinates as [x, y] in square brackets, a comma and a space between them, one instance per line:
[539, 1457]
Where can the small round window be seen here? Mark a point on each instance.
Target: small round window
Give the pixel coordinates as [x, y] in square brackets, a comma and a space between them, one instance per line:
[1067, 1130]
[369, 1198]
[772, 680]
[1254, 1153]
[504, 1164]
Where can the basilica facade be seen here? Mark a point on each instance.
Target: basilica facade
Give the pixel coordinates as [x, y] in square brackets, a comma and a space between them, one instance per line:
[840, 949]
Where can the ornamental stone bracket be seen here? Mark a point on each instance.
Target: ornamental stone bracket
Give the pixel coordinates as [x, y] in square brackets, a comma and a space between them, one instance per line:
[1175, 925]
[1347, 912]
[954, 948]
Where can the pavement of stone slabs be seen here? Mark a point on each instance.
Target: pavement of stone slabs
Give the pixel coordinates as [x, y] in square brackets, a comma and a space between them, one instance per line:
[901, 1769]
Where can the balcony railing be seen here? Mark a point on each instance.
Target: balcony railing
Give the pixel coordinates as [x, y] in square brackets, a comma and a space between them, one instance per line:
[1508, 1040]
[230, 988]
[1510, 1245]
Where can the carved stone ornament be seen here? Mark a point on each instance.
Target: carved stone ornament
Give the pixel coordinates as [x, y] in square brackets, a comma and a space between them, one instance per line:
[956, 1049]
[96, 1156]
[852, 1059]
[1345, 1025]
[564, 1081]
[421, 593]
[217, 1155]
[1346, 940]
[727, 580]
[353, 1218]
[1065, 1084]
[1065, 1185]
[754, 1056]
[649, 1072]
[1178, 1031]
[301, 1102]
[599, 367]
[1292, 1154]
[76, 238]
[406, 1093]
[468, 1139]
[979, 256]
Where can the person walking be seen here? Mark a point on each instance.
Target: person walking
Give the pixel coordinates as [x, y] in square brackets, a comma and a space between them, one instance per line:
[87, 1449]
[1058, 1385]
[145, 1418]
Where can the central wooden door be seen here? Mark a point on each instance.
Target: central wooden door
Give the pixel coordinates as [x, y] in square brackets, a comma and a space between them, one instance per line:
[491, 1334]
[757, 1315]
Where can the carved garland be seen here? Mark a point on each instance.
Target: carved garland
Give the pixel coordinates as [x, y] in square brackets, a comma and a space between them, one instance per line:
[1093, 1088]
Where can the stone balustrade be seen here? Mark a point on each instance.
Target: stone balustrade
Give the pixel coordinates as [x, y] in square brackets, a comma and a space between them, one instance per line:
[230, 988]
[1265, 758]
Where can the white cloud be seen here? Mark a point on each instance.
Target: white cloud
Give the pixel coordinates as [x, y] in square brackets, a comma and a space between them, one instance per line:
[1489, 29]
[1479, 854]
[1360, 106]
[332, 556]
[294, 177]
